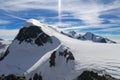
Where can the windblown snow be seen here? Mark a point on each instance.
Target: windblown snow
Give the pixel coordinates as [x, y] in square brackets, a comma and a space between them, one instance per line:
[51, 60]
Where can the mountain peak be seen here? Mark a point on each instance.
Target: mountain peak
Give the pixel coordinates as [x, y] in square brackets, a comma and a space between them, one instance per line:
[32, 33]
[89, 33]
[32, 22]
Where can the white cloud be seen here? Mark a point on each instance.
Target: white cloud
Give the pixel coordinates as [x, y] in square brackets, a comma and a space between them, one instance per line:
[88, 11]
[19, 5]
[4, 21]
[13, 16]
[110, 30]
[8, 34]
[114, 21]
[103, 26]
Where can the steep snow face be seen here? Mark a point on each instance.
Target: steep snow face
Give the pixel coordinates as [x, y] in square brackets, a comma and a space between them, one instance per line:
[28, 47]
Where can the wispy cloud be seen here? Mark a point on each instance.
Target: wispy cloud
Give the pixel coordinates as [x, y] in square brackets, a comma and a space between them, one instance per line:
[16, 17]
[88, 11]
[8, 34]
[20, 5]
[4, 21]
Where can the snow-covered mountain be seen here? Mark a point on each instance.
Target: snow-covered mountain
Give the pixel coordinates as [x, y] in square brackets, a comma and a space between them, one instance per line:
[88, 36]
[27, 48]
[39, 50]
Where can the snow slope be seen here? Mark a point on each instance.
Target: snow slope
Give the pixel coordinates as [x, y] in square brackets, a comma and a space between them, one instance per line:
[102, 58]
[53, 62]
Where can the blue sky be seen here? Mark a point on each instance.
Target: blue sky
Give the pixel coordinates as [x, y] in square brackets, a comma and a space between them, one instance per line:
[101, 17]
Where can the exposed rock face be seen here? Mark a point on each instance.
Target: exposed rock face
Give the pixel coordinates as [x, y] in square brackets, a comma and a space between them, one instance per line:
[37, 77]
[90, 75]
[12, 77]
[52, 59]
[67, 54]
[33, 34]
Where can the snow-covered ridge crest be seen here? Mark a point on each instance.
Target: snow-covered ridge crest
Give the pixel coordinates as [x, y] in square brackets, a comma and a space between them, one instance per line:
[32, 22]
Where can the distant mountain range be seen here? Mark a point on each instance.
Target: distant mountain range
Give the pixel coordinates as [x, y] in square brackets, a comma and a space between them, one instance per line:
[88, 36]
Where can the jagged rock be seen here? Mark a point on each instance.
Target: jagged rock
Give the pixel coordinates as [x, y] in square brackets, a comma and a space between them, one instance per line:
[67, 54]
[12, 77]
[52, 59]
[33, 34]
[90, 75]
[37, 77]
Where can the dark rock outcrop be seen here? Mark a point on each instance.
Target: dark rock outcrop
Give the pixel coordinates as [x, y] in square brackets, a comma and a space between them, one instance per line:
[33, 34]
[67, 54]
[52, 59]
[90, 75]
[37, 77]
[12, 77]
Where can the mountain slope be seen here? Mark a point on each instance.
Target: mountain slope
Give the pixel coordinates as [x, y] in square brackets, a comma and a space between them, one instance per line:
[27, 48]
[91, 56]
[59, 57]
